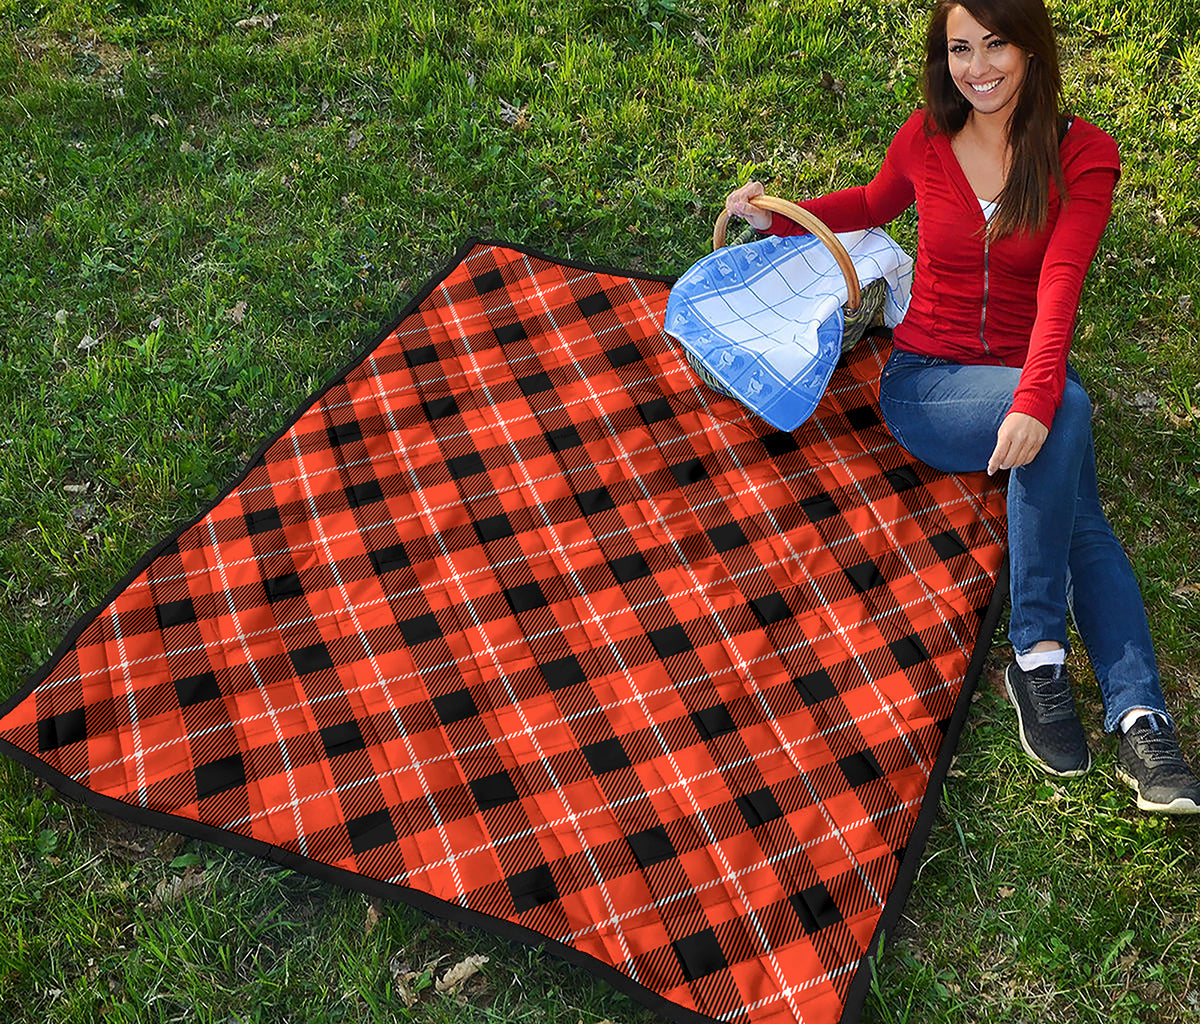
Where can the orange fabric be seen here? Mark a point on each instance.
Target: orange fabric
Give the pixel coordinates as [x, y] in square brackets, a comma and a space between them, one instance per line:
[519, 616]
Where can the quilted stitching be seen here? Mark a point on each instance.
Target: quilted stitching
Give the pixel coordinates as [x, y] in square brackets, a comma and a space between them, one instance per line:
[514, 617]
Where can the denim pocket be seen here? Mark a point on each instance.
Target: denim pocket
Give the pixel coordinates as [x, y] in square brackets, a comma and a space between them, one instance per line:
[900, 362]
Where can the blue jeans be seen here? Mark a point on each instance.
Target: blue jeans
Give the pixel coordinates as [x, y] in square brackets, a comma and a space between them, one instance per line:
[1062, 552]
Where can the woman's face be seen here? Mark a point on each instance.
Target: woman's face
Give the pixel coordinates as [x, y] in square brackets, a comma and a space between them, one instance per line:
[987, 69]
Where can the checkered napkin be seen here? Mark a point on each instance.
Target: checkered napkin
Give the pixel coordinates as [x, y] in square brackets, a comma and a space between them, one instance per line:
[765, 319]
[517, 622]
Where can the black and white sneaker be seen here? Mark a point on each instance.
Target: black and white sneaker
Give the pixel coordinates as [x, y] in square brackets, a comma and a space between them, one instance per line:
[1051, 732]
[1150, 761]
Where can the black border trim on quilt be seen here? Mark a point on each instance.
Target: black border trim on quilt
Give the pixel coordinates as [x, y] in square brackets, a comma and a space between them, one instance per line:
[893, 906]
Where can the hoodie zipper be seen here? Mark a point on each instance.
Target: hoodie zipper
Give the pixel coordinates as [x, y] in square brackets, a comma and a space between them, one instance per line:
[983, 309]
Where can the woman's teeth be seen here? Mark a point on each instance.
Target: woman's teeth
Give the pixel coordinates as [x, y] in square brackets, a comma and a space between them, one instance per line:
[986, 88]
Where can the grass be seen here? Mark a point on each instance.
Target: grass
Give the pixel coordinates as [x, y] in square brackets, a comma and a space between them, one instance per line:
[199, 222]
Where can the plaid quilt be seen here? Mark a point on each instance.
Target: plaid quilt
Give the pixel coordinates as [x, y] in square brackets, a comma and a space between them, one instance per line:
[519, 622]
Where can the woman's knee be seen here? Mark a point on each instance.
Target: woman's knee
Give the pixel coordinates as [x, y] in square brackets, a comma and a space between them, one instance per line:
[1076, 403]
[1073, 420]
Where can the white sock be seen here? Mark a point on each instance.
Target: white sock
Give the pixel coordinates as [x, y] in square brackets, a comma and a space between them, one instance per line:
[1130, 717]
[1036, 659]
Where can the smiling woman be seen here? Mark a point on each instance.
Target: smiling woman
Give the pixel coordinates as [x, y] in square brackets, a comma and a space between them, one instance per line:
[989, 71]
[997, 90]
[1013, 196]
[983, 62]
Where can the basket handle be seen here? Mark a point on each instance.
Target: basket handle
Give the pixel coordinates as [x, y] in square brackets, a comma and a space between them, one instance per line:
[805, 219]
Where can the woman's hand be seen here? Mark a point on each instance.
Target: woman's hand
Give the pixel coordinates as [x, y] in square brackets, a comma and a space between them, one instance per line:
[737, 203]
[1018, 440]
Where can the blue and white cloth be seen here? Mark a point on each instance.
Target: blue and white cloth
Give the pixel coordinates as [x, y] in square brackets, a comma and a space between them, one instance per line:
[765, 319]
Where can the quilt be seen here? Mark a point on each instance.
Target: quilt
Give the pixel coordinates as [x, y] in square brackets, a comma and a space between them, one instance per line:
[520, 623]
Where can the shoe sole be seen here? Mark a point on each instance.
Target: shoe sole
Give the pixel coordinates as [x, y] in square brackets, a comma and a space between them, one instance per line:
[1180, 805]
[1071, 774]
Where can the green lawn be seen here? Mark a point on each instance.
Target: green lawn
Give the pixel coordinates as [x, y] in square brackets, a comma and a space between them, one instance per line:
[200, 222]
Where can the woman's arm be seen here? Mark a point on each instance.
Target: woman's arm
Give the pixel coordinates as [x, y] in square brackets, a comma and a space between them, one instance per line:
[880, 201]
[1069, 253]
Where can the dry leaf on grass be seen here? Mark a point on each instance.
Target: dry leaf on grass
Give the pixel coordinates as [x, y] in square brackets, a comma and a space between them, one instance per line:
[136, 849]
[404, 987]
[257, 21]
[831, 84]
[512, 115]
[238, 313]
[461, 972]
[169, 846]
[1145, 401]
[406, 980]
[374, 911]
[87, 341]
[170, 889]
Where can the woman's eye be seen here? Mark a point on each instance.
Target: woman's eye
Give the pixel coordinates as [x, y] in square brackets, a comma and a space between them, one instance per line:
[960, 48]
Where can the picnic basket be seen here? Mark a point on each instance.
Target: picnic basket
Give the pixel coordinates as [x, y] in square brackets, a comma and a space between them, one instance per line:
[863, 306]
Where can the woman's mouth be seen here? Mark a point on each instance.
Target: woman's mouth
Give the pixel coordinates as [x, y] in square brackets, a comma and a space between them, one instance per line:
[986, 87]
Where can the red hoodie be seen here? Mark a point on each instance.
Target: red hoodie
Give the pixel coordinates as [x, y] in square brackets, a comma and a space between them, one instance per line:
[1010, 302]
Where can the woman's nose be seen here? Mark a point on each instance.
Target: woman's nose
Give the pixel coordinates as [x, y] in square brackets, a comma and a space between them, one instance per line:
[979, 62]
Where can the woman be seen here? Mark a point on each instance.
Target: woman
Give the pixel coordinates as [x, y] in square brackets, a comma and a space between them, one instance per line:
[1012, 198]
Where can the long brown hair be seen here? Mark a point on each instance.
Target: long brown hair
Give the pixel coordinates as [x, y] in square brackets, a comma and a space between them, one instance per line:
[1037, 123]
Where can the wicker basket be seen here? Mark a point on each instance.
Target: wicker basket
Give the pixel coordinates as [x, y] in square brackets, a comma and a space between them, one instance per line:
[864, 305]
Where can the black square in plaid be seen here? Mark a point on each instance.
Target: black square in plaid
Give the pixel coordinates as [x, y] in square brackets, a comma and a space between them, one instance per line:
[606, 756]
[947, 545]
[508, 616]
[314, 658]
[342, 739]
[815, 687]
[197, 689]
[218, 776]
[494, 790]
[815, 908]
[455, 707]
[563, 672]
[346, 433]
[279, 588]
[700, 954]
[713, 722]
[61, 730]
[371, 831]
[532, 888]
[389, 559]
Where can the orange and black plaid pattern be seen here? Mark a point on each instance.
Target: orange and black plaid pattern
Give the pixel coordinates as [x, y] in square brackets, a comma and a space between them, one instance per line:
[519, 621]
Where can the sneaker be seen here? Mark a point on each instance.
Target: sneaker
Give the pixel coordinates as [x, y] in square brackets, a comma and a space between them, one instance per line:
[1051, 732]
[1149, 760]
